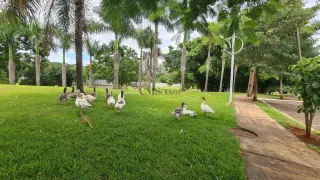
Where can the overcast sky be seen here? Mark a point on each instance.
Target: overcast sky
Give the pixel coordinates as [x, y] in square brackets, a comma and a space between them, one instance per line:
[107, 37]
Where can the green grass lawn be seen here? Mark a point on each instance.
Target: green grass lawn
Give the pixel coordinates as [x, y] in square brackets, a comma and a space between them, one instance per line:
[41, 138]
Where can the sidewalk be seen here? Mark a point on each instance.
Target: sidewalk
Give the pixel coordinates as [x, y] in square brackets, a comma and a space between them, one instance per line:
[275, 153]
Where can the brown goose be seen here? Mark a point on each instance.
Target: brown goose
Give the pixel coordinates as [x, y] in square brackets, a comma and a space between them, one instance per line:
[107, 95]
[94, 94]
[72, 94]
[178, 112]
[64, 96]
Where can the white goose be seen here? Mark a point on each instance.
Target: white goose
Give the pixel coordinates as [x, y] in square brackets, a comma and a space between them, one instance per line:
[81, 103]
[120, 102]
[111, 101]
[88, 97]
[188, 112]
[205, 108]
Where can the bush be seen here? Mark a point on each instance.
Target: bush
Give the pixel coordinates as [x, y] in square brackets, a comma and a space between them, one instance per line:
[3, 77]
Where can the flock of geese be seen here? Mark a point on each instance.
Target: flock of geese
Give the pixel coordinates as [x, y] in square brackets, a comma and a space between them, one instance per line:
[84, 101]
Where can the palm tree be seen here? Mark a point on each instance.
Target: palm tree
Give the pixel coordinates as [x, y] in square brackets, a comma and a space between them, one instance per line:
[24, 11]
[92, 48]
[142, 36]
[13, 15]
[19, 11]
[224, 57]
[79, 12]
[120, 23]
[8, 33]
[66, 41]
[184, 21]
[36, 35]
[212, 33]
[158, 16]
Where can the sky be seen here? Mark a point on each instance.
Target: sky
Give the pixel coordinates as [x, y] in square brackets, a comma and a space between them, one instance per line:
[164, 35]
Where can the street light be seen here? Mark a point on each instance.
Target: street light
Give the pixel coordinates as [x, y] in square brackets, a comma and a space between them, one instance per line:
[231, 45]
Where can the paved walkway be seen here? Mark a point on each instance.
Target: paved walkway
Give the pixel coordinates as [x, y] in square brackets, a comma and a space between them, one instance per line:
[275, 153]
[290, 108]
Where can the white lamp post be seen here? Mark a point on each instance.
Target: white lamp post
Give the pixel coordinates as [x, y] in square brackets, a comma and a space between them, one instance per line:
[231, 45]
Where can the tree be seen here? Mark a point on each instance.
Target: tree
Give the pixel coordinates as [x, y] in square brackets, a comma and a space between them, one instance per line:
[223, 58]
[8, 34]
[92, 48]
[66, 41]
[102, 68]
[36, 35]
[184, 22]
[143, 37]
[308, 86]
[67, 13]
[158, 15]
[212, 33]
[118, 15]
[19, 11]
[79, 12]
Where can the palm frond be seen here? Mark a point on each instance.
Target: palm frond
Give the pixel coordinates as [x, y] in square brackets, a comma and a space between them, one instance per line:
[19, 10]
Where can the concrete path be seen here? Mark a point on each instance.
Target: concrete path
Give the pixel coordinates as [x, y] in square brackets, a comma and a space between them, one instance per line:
[275, 153]
[290, 108]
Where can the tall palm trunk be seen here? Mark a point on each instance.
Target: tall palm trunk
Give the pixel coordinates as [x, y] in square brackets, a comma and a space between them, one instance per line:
[11, 67]
[207, 69]
[150, 70]
[116, 65]
[64, 68]
[37, 64]
[281, 90]
[234, 77]
[78, 41]
[183, 61]
[251, 81]
[140, 70]
[155, 56]
[255, 94]
[221, 76]
[298, 44]
[90, 72]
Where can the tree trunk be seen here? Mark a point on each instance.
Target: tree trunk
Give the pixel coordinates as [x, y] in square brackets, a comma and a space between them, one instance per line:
[150, 70]
[221, 76]
[37, 63]
[235, 76]
[79, 13]
[11, 68]
[140, 70]
[183, 61]
[90, 73]
[255, 97]
[298, 44]
[308, 125]
[207, 69]
[64, 68]
[251, 81]
[155, 56]
[116, 69]
[281, 92]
